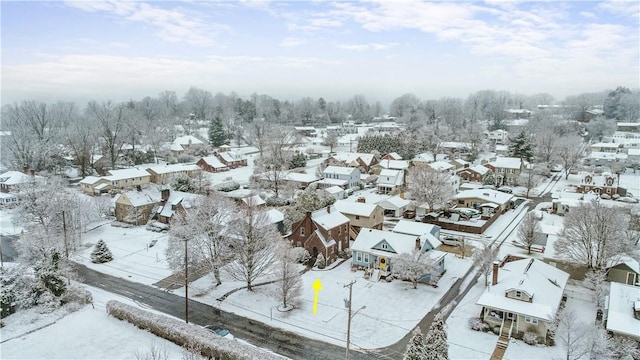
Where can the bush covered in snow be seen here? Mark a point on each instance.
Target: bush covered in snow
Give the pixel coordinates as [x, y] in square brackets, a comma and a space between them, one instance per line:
[101, 253]
[276, 201]
[186, 335]
[320, 262]
[475, 323]
[227, 186]
[301, 255]
[530, 337]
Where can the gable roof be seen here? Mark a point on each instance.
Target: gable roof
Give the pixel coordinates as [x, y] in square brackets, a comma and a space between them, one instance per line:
[14, 178]
[230, 156]
[622, 299]
[395, 202]
[424, 157]
[351, 157]
[488, 195]
[168, 169]
[141, 198]
[480, 169]
[355, 208]
[394, 164]
[341, 170]
[545, 283]
[426, 232]
[328, 219]
[508, 162]
[214, 162]
[125, 174]
[186, 140]
[368, 238]
[441, 166]
[391, 177]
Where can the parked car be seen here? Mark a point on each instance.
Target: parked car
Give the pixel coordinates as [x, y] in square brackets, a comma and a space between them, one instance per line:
[628, 199]
[468, 212]
[450, 240]
[220, 331]
[505, 189]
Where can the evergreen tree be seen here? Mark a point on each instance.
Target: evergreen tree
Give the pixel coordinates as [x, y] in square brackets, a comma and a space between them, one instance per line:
[415, 348]
[298, 161]
[521, 147]
[217, 135]
[435, 342]
[101, 253]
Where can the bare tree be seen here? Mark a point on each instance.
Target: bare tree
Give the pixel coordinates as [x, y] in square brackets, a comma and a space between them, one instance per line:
[206, 225]
[331, 140]
[254, 239]
[112, 122]
[413, 266]
[276, 158]
[528, 230]
[596, 281]
[430, 186]
[199, 102]
[594, 235]
[572, 334]
[483, 259]
[289, 285]
[569, 152]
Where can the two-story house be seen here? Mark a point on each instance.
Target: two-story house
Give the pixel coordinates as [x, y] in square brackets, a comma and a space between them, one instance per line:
[324, 231]
[604, 184]
[361, 215]
[362, 161]
[186, 142]
[136, 207]
[507, 170]
[165, 174]
[525, 296]
[498, 136]
[345, 177]
[389, 181]
[116, 179]
[476, 173]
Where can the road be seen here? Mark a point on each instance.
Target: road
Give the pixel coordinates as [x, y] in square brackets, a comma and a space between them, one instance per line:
[261, 335]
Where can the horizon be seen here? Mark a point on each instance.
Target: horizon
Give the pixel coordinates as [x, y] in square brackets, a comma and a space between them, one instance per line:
[114, 50]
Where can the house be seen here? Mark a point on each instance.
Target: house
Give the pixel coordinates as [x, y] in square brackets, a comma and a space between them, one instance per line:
[623, 311]
[633, 156]
[392, 156]
[361, 215]
[394, 206]
[11, 180]
[442, 166]
[165, 174]
[128, 178]
[94, 185]
[475, 199]
[606, 183]
[390, 164]
[525, 295]
[606, 147]
[172, 202]
[517, 113]
[231, 159]
[476, 173]
[336, 191]
[502, 150]
[211, 164]
[390, 181]
[8, 200]
[277, 217]
[498, 136]
[363, 161]
[507, 170]
[454, 147]
[624, 271]
[324, 231]
[375, 250]
[431, 233]
[460, 163]
[423, 159]
[186, 142]
[345, 177]
[301, 180]
[628, 126]
[308, 131]
[135, 207]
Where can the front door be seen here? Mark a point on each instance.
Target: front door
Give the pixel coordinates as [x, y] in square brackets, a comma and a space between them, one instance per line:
[510, 316]
[315, 252]
[631, 278]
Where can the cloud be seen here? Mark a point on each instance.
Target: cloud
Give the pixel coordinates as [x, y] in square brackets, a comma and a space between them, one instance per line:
[629, 8]
[292, 42]
[588, 15]
[369, 46]
[172, 25]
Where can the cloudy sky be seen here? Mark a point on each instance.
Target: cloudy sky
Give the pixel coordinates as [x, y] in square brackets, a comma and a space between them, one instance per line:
[82, 50]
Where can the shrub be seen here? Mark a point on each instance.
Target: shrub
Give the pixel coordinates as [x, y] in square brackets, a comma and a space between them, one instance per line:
[530, 337]
[227, 186]
[301, 255]
[101, 253]
[475, 323]
[320, 262]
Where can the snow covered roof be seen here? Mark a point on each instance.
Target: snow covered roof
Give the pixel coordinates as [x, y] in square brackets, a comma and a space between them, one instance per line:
[187, 140]
[454, 145]
[328, 219]
[336, 182]
[441, 166]
[620, 319]
[355, 208]
[488, 195]
[14, 178]
[214, 162]
[301, 177]
[394, 155]
[275, 215]
[606, 145]
[391, 177]
[395, 202]
[126, 174]
[543, 282]
[394, 164]
[230, 156]
[89, 180]
[426, 232]
[348, 157]
[633, 152]
[508, 162]
[341, 170]
[254, 199]
[168, 169]
[368, 238]
[176, 147]
[334, 190]
[324, 241]
[143, 197]
[424, 157]
[480, 169]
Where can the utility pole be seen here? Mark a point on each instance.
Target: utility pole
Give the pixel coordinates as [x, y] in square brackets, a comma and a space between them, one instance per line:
[348, 303]
[64, 230]
[186, 283]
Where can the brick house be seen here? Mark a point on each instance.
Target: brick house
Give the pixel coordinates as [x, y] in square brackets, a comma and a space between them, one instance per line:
[475, 173]
[604, 184]
[231, 159]
[211, 164]
[324, 231]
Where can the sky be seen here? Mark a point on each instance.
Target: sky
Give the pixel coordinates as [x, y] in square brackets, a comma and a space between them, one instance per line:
[120, 50]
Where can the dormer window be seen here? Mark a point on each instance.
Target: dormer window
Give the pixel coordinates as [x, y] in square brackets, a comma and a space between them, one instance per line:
[518, 294]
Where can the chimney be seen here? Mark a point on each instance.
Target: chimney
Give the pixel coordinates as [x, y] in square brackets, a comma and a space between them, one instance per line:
[362, 200]
[32, 173]
[496, 266]
[328, 209]
[164, 195]
[25, 169]
[417, 243]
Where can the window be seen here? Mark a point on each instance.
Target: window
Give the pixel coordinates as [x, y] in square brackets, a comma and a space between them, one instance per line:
[531, 320]
[461, 202]
[358, 256]
[518, 294]
[339, 230]
[366, 258]
[385, 246]
[301, 231]
[357, 217]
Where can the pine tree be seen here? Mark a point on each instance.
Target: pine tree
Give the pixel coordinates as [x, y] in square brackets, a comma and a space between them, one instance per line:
[521, 147]
[298, 161]
[415, 348]
[101, 253]
[435, 342]
[217, 136]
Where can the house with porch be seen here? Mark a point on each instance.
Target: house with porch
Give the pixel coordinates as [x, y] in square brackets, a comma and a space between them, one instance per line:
[394, 206]
[324, 231]
[211, 164]
[361, 215]
[525, 296]
[375, 250]
[389, 181]
[623, 311]
[345, 177]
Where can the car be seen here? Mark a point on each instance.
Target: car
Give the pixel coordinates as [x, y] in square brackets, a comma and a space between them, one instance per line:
[220, 331]
[450, 240]
[505, 189]
[628, 199]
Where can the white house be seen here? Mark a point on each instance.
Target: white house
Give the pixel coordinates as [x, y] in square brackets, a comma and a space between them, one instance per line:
[427, 232]
[498, 136]
[507, 170]
[345, 177]
[524, 295]
[336, 191]
[389, 180]
[443, 166]
[623, 310]
[394, 206]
